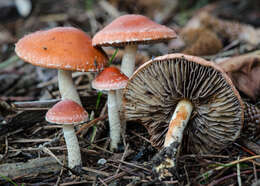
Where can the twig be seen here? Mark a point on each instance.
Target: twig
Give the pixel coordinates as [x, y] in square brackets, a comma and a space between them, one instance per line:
[96, 171]
[123, 158]
[217, 182]
[133, 132]
[102, 181]
[238, 174]
[59, 178]
[91, 123]
[35, 166]
[133, 165]
[210, 172]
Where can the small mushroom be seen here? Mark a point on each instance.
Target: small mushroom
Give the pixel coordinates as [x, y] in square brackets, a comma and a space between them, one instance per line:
[64, 48]
[111, 79]
[69, 113]
[130, 31]
[179, 95]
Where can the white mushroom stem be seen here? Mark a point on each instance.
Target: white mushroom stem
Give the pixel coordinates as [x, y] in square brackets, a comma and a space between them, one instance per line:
[178, 122]
[74, 156]
[67, 87]
[128, 61]
[114, 121]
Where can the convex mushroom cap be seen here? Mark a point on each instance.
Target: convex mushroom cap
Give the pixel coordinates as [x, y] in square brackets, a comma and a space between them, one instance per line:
[67, 112]
[132, 29]
[65, 48]
[154, 90]
[110, 79]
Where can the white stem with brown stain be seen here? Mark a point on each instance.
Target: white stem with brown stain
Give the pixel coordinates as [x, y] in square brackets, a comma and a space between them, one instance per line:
[174, 134]
[178, 122]
[67, 87]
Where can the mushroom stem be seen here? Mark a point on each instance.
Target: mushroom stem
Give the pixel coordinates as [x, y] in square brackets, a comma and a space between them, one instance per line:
[74, 156]
[128, 62]
[67, 87]
[165, 160]
[114, 121]
[178, 122]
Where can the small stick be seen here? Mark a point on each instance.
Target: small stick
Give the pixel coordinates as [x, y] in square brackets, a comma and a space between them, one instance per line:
[91, 123]
[122, 159]
[102, 181]
[238, 174]
[210, 172]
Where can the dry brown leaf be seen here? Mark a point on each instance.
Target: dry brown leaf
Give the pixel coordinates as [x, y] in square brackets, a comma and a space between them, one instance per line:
[244, 71]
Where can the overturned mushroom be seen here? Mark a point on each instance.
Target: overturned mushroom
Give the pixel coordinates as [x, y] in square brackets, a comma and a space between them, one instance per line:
[176, 95]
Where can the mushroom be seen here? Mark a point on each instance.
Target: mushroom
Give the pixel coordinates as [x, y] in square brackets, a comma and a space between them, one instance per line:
[130, 31]
[179, 95]
[65, 48]
[111, 79]
[69, 113]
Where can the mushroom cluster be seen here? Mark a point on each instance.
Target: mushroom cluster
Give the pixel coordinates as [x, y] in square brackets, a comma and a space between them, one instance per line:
[175, 96]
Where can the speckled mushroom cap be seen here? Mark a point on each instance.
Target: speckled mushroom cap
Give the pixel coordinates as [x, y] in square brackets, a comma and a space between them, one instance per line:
[66, 112]
[111, 78]
[64, 48]
[132, 29]
[154, 90]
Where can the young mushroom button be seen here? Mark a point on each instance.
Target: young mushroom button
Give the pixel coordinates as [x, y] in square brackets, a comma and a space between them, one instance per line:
[111, 79]
[68, 113]
[179, 95]
[64, 48]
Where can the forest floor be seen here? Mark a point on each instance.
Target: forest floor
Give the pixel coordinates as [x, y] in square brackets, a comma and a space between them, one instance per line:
[33, 152]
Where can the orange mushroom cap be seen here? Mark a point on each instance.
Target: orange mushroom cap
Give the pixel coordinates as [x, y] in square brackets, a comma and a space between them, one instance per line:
[67, 112]
[132, 29]
[65, 48]
[110, 79]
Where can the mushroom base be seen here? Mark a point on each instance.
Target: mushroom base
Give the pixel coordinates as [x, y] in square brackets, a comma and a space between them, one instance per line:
[165, 163]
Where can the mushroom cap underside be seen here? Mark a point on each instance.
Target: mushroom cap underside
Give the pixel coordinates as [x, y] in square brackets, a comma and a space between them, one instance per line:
[65, 48]
[154, 90]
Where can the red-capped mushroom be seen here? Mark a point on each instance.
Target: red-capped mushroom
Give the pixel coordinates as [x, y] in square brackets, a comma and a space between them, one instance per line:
[111, 79]
[65, 48]
[130, 31]
[69, 113]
